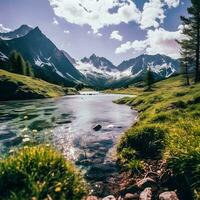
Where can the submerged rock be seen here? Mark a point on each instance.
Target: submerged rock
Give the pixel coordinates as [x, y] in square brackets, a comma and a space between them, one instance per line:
[97, 127]
[146, 194]
[168, 196]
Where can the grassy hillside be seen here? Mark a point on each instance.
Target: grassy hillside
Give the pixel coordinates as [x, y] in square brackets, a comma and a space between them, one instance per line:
[15, 86]
[168, 129]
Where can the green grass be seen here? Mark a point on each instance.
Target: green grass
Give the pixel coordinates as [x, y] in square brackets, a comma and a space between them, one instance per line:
[15, 86]
[168, 127]
[39, 173]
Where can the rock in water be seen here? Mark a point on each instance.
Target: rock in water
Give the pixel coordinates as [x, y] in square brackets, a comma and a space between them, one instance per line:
[146, 194]
[110, 197]
[97, 127]
[168, 196]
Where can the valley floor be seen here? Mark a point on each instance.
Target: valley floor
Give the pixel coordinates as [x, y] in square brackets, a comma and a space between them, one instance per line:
[164, 145]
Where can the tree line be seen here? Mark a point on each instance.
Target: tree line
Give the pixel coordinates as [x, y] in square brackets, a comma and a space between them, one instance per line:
[20, 66]
[190, 46]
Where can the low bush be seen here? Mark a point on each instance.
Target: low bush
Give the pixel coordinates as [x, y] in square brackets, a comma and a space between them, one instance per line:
[162, 117]
[39, 173]
[144, 142]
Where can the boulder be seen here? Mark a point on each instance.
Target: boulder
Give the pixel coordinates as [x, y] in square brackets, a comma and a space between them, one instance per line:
[171, 195]
[130, 196]
[146, 194]
[97, 127]
[147, 182]
[110, 197]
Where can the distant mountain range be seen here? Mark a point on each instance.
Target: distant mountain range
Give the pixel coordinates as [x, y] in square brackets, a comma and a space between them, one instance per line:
[57, 66]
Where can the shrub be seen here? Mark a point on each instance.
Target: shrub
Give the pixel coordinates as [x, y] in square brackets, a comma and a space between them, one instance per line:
[179, 104]
[162, 117]
[146, 141]
[38, 173]
[188, 167]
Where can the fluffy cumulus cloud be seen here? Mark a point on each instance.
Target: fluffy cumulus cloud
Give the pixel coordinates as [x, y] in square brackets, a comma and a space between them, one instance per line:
[116, 36]
[136, 46]
[4, 29]
[96, 13]
[154, 13]
[164, 42]
[158, 41]
[100, 13]
[172, 3]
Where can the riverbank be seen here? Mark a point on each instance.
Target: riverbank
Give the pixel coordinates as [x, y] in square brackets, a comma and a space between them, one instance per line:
[164, 144]
[19, 87]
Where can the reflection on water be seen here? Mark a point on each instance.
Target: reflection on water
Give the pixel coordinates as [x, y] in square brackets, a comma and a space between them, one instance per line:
[67, 124]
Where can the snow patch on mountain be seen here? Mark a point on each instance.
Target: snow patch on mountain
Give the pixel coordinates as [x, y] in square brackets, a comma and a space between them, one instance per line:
[41, 63]
[3, 57]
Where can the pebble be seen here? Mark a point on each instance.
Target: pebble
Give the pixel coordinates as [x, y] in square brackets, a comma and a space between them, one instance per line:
[171, 195]
[146, 194]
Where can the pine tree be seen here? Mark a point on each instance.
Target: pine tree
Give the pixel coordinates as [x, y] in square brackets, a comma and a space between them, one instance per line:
[13, 60]
[29, 69]
[149, 78]
[191, 30]
[21, 66]
[186, 59]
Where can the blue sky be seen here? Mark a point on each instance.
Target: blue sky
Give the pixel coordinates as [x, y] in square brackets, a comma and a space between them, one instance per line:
[115, 29]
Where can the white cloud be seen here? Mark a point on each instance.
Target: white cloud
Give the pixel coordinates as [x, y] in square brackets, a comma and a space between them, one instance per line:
[96, 13]
[116, 36]
[154, 13]
[136, 46]
[66, 31]
[158, 41]
[164, 42]
[4, 29]
[172, 3]
[100, 13]
[55, 21]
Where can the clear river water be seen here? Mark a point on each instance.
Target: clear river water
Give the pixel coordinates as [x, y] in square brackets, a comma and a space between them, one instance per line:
[67, 124]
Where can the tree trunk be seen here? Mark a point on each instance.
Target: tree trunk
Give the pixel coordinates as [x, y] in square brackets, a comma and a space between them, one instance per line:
[187, 75]
[197, 75]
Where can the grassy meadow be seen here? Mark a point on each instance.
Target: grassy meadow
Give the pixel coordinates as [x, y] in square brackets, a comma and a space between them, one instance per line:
[168, 128]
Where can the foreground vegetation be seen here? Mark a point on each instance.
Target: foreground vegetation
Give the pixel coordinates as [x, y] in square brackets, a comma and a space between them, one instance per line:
[14, 86]
[168, 128]
[39, 173]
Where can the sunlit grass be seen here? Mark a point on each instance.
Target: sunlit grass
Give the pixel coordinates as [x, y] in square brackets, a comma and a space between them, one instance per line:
[175, 109]
[39, 173]
[15, 83]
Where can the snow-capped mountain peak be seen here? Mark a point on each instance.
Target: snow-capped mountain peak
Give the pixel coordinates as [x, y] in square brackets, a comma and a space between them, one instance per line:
[20, 32]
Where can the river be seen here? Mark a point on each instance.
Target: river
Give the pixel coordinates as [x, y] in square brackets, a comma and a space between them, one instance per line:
[67, 124]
